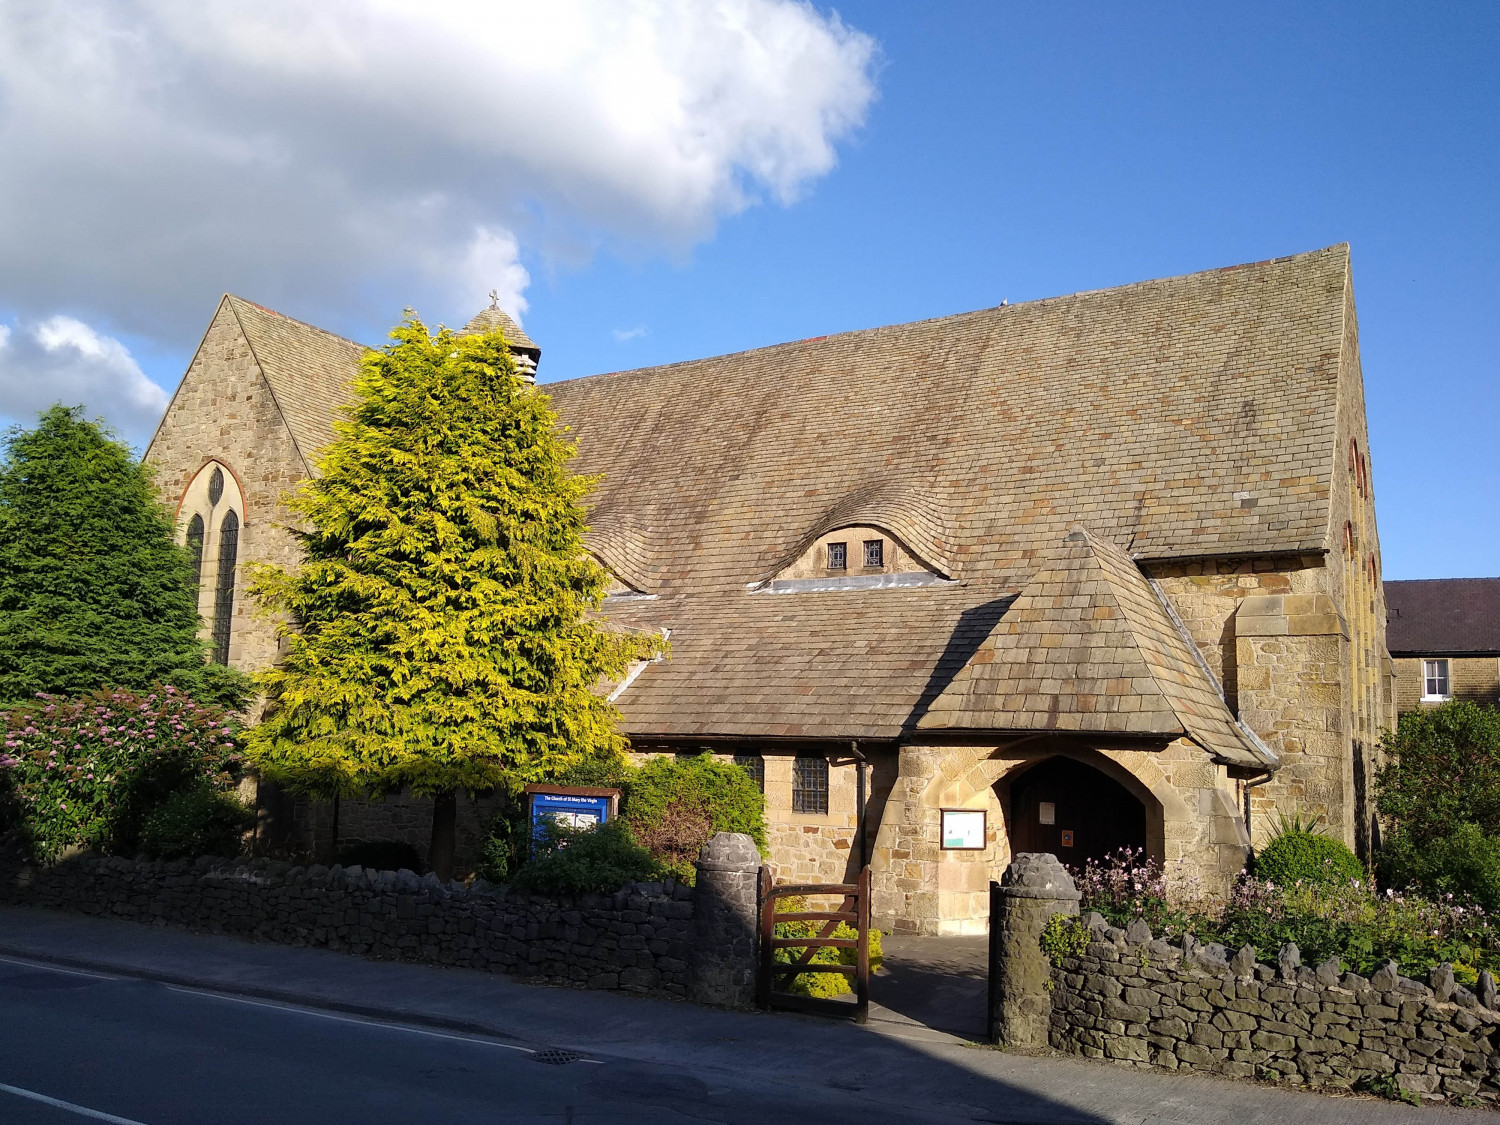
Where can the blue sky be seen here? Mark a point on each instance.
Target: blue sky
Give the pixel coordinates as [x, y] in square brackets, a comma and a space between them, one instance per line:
[1026, 151]
[1015, 152]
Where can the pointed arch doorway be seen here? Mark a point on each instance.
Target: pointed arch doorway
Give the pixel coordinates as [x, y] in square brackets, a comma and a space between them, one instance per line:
[1076, 812]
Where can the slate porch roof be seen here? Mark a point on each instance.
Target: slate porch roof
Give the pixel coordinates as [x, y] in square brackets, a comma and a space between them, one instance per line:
[1443, 617]
[1090, 645]
[1145, 413]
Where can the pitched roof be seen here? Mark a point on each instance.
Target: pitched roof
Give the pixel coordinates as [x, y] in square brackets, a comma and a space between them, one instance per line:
[1147, 413]
[1089, 645]
[487, 320]
[310, 371]
[1443, 616]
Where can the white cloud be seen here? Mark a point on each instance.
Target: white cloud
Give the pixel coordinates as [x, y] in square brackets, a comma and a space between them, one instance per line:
[623, 335]
[493, 259]
[63, 360]
[342, 159]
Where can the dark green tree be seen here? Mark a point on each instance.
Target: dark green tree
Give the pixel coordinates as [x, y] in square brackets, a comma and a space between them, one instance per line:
[442, 636]
[94, 590]
[1441, 769]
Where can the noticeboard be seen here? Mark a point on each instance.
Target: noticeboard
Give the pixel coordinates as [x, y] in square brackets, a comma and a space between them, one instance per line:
[570, 805]
[963, 830]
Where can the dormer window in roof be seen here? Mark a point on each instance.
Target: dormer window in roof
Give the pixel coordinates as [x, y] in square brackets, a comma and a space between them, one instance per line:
[880, 559]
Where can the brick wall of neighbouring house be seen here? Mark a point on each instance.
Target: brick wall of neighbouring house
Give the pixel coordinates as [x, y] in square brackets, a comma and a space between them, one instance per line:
[638, 939]
[1149, 1003]
[1475, 678]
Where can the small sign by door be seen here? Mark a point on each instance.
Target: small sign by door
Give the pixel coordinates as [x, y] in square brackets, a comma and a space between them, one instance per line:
[963, 830]
[1067, 837]
[1046, 812]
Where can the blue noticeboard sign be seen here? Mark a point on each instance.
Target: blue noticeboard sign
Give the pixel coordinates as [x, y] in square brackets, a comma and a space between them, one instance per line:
[573, 806]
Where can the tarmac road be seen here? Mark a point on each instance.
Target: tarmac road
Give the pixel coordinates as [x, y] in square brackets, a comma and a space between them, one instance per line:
[117, 1022]
[81, 1046]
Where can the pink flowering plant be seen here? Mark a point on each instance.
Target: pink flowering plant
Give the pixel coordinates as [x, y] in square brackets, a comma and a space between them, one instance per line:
[1128, 884]
[1325, 917]
[85, 772]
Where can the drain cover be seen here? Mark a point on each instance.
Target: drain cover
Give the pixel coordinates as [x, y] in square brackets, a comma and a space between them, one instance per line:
[556, 1056]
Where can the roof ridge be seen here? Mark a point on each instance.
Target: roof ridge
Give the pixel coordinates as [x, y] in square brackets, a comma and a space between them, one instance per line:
[292, 319]
[949, 317]
[266, 378]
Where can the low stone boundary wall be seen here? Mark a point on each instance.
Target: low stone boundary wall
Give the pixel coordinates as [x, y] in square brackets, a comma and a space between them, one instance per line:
[639, 939]
[1136, 1000]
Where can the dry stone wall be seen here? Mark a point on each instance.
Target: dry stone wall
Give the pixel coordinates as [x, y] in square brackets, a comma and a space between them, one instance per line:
[1189, 1006]
[638, 939]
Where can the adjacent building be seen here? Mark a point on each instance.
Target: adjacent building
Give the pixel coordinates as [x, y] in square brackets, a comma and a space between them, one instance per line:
[1444, 637]
[1076, 574]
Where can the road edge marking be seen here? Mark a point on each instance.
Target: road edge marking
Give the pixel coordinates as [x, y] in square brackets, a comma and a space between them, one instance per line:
[58, 1103]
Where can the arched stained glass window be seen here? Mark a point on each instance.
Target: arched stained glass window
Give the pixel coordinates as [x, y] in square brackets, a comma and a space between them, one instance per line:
[229, 544]
[195, 546]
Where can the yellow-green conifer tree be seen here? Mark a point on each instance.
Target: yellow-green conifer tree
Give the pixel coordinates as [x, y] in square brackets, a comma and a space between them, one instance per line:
[439, 633]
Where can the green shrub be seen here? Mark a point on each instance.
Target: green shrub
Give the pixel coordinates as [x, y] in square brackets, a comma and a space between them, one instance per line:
[194, 822]
[675, 804]
[1307, 857]
[84, 772]
[1464, 863]
[671, 807]
[1442, 769]
[575, 860]
[382, 855]
[1064, 936]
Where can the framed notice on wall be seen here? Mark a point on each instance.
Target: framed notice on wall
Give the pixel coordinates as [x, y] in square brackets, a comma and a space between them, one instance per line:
[963, 830]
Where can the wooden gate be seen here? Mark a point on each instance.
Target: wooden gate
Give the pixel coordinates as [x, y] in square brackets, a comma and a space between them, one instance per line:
[776, 977]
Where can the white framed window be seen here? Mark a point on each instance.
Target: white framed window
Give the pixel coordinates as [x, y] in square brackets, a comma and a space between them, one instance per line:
[1435, 685]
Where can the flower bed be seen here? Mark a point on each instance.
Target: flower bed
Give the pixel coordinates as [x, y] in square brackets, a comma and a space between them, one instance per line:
[1351, 921]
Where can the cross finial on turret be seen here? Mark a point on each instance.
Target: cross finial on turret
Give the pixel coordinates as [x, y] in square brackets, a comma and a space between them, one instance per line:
[494, 298]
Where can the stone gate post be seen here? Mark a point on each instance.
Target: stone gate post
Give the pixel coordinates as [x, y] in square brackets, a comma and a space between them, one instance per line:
[1034, 887]
[725, 922]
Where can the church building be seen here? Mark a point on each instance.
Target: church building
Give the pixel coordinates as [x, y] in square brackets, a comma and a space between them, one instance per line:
[1067, 575]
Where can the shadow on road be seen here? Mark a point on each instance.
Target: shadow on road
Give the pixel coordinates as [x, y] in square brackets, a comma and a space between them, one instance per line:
[938, 982]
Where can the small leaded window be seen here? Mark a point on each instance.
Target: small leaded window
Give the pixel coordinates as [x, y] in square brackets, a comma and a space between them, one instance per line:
[838, 556]
[195, 548]
[216, 485]
[755, 766]
[229, 545]
[810, 785]
[874, 553]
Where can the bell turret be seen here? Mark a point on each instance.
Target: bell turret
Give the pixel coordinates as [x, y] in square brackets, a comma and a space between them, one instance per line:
[522, 346]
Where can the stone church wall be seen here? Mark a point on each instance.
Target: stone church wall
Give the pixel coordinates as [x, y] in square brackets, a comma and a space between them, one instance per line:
[223, 411]
[1193, 825]
[401, 817]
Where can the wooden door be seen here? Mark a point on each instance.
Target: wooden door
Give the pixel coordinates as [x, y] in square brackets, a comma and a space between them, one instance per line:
[1073, 811]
